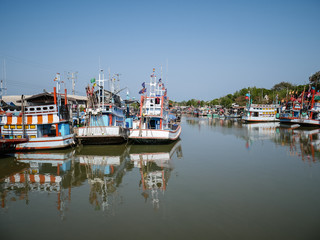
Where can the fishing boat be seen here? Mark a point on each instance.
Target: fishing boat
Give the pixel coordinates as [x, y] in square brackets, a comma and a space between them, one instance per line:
[312, 117]
[260, 112]
[155, 125]
[291, 114]
[105, 118]
[46, 126]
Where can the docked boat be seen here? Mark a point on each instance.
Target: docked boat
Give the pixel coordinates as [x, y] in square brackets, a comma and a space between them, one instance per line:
[105, 118]
[261, 113]
[312, 117]
[155, 125]
[292, 114]
[46, 126]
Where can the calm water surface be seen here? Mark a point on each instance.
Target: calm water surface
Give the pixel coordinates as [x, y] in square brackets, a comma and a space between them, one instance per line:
[222, 180]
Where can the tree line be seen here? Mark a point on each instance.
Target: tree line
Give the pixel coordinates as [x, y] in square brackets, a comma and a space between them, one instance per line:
[278, 93]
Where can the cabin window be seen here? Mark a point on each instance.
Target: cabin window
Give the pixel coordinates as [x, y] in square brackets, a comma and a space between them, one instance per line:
[45, 108]
[31, 109]
[6, 126]
[32, 126]
[51, 107]
[315, 115]
[153, 124]
[256, 114]
[12, 126]
[19, 127]
[157, 100]
[33, 136]
[38, 109]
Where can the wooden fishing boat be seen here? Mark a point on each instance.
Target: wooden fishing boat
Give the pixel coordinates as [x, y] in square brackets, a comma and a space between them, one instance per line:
[155, 124]
[312, 117]
[45, 126]
[261, 113]
[105, 118]
[292, 114]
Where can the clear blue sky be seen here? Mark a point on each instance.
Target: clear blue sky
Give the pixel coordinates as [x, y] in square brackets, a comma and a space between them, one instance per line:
[211, 48]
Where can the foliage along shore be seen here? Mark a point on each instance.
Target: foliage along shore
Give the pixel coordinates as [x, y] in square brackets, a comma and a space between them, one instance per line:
[279, 92]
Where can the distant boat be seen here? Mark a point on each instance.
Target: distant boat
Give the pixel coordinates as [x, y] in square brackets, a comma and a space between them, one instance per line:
[155, 124]
[312, 116]
[105, 118]
[261, 113]
[292, 114]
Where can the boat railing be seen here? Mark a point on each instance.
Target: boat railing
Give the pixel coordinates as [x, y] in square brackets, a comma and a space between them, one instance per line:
[41, 109]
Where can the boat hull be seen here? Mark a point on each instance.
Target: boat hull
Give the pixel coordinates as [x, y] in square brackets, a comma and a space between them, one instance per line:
[47, 143]
[154, 136]
[309, 122]
[8, 145]
[258, 119]
[101, 135]
[290, 120]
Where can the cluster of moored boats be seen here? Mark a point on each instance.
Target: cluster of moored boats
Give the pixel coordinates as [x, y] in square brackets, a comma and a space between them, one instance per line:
[299, 111]
[48, 125]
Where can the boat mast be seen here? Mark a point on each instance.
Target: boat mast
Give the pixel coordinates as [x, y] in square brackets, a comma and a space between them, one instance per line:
[58, 80]
[153, 83]
[101, 81]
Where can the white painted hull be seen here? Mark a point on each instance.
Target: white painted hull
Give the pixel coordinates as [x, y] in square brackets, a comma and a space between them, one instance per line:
[154, 135]
[259, 119]
[101, 135]
[309, 122]
[47, 143]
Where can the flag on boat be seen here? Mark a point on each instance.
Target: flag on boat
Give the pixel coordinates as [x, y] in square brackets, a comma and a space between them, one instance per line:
[161, 84]
[93, 80]
[142, 91]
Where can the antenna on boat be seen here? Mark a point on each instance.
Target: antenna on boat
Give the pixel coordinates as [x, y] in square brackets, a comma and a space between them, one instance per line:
[101, 87]
[58, 80]
[3, 88]
[73, 78]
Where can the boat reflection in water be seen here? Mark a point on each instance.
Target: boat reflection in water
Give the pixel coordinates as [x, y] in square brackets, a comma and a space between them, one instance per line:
[44, 172]
[301, 142]
[304, 143]
[155, 167]
[105, 167]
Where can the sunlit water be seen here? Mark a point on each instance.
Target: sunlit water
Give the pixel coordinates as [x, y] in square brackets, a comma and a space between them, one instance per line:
[222, 180]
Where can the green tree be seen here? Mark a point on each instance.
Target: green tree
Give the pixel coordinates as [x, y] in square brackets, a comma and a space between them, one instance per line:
[314, 79]
[282, 86]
